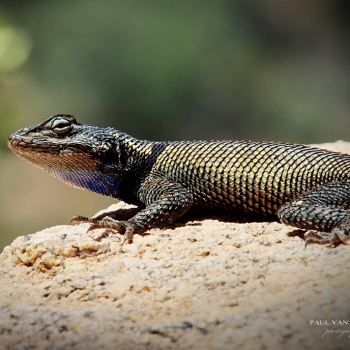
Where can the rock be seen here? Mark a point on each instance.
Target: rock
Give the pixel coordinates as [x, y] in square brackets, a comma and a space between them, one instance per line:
[202, 285]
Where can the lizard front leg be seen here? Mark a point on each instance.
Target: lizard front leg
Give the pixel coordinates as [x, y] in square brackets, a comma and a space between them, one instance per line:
[165, 202]
[324, 212]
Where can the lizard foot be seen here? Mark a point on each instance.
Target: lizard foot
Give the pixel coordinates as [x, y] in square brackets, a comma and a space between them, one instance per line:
[107, 223]
[332, 239]
[110, 225]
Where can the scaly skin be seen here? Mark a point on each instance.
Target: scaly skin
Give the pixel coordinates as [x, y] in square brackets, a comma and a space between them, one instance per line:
[305, 187]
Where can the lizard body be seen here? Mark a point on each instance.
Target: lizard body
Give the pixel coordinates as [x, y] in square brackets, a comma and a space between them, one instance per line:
[305, 187]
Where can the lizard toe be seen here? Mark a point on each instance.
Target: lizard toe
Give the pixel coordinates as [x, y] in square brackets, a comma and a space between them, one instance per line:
[76, 220]
[331, 239]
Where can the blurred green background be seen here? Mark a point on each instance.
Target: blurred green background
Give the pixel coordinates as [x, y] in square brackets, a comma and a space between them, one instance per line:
[245, 69]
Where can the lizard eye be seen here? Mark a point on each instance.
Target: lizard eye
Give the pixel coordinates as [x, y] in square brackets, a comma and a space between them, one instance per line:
[61, 126]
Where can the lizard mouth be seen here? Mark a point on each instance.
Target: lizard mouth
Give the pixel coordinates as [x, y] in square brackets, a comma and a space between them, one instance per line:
[21, 144]
[48, 155]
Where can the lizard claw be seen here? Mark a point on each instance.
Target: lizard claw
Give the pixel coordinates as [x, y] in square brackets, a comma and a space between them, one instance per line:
[99, 238]
[128, 236]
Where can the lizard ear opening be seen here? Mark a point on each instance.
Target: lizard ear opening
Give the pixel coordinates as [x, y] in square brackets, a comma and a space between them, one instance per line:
[110, 153]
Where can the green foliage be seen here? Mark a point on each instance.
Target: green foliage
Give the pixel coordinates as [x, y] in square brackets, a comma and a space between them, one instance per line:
[178, 69]
[15, 47]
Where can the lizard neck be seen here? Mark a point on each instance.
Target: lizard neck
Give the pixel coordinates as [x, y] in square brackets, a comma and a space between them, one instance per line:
[139, 155]
[137, 159]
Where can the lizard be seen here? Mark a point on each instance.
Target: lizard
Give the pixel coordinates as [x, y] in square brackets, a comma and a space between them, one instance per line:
[301, 186]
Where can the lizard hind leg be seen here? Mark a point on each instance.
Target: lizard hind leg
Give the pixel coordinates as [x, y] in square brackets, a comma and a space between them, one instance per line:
[323, 212]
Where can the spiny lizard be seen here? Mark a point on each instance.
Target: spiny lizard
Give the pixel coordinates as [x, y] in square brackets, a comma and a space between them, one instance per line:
[305, 187]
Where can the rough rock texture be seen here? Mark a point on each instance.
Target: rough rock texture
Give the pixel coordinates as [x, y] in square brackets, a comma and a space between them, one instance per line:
[204, 285]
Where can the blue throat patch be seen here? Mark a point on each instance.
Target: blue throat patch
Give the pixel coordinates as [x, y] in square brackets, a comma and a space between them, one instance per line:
[106, 184]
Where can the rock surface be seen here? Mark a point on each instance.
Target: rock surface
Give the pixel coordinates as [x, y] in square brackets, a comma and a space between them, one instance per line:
[204, 285]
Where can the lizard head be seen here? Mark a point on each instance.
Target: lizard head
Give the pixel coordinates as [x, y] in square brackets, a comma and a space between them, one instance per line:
[81, 155]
